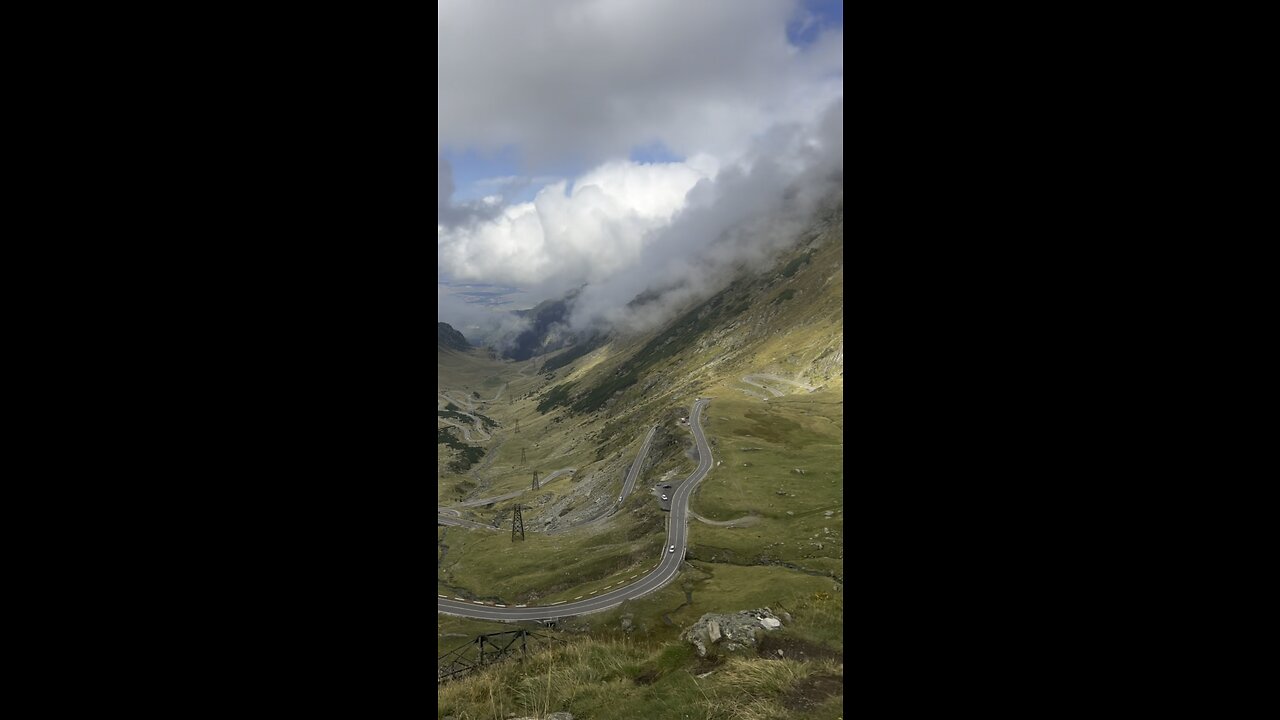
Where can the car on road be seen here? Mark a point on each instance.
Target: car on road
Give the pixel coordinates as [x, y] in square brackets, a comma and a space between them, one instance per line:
[666, 486]
[619, 498]
[672, 549]
[664, 497]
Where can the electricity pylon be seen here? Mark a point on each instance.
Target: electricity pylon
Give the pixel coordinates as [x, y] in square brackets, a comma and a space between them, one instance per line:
[517, 525]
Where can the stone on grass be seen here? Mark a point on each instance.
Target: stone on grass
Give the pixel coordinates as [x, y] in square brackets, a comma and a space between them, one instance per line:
[739, 631]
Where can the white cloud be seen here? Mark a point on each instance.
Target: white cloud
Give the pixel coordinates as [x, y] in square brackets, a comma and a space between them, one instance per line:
[592, 79]
[583, 83]
[569, 237]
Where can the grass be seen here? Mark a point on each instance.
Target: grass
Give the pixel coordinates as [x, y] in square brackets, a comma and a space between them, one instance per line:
[452, 412]
[796, 264]
[759, 447]
[599, 677]
[467, 455]
[590, 425]
[557, 396]
[546, 568]
[574, 352]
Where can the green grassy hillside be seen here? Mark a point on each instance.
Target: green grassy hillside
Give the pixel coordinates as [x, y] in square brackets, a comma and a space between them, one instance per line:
[771, 511]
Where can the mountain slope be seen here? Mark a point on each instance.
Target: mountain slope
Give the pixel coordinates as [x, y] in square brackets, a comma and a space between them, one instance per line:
[447, 337]
[785, 321]
[768, 528]
[547, 331]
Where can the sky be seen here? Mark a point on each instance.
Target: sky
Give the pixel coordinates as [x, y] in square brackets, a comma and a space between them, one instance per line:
[629, 146]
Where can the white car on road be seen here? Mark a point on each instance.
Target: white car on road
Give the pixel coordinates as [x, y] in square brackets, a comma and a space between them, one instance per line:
[664, 497]
[672, 549]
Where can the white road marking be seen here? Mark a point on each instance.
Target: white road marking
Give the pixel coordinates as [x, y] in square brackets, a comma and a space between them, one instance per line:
[499, 605]
[522, 606]
[477, 602]
[462, 599]
[578, 598]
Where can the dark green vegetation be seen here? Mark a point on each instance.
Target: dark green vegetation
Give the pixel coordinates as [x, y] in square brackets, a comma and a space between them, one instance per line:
[453, 414]
[468, 455]
[582, 347]
[447, 337]
[796, 264]
[451, 411]
[556, 396]
[677, 337]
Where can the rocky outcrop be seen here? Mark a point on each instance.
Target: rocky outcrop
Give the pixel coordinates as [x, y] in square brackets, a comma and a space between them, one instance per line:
[716, 633]
[447, 337]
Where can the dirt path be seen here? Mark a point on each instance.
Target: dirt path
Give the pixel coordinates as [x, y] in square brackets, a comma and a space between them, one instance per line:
[518, 493]
[774, 379]
[744, 521]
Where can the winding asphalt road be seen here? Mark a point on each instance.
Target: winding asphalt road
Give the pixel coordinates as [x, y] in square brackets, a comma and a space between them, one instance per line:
[450, 516]
[665, 572]
[630, 482]
[461, 522]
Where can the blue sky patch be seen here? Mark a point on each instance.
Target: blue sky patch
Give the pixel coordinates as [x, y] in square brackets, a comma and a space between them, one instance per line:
[813, 17]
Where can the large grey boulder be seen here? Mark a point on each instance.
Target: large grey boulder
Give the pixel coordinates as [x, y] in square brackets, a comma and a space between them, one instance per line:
[739, 631]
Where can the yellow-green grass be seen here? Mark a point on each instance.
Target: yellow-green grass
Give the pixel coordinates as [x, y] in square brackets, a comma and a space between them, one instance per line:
[759, 446]
[546, 568]
[783, 337]
[638, 678]
[453, 632]
[717, 588]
